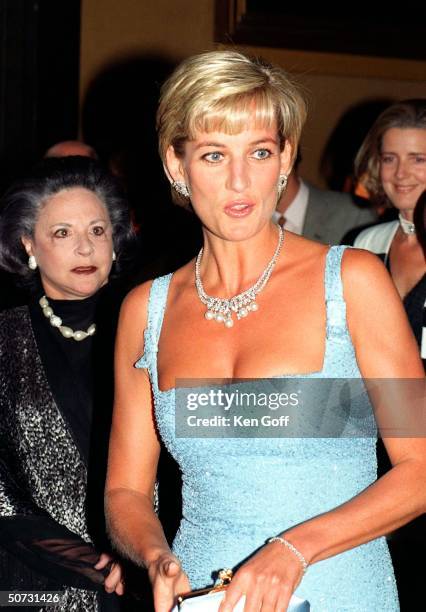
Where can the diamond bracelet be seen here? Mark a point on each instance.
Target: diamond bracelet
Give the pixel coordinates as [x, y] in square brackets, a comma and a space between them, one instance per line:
[293, 549]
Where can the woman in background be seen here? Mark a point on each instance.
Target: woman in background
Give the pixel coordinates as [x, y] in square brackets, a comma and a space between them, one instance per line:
[392, 159]
[63, 228]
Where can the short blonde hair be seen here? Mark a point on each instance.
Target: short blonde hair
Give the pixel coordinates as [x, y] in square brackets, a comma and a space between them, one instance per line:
[220, 90]
[407, 114]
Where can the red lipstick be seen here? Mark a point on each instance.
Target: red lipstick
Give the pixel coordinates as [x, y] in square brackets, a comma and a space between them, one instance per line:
[84, 269]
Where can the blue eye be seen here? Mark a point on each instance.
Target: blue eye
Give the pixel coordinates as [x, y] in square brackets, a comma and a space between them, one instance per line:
[213, 157]
[262, 154]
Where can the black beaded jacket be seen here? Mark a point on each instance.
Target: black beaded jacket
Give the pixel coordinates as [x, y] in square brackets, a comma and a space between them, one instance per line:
[44, 538]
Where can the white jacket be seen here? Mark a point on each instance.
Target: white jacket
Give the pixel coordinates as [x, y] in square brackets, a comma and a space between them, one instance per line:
[378, 238]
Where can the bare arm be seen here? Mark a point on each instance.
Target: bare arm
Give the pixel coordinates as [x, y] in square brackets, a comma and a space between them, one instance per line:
[133, 458]
[385, 348]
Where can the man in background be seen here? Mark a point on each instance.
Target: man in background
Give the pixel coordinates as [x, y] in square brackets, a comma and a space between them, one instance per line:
[321, 215]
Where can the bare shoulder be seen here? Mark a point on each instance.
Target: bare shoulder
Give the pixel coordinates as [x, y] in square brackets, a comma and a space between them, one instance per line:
[363, 273]
[133, 321]
[384, 343]
[135, 304]
[300, 242]
[303, 249]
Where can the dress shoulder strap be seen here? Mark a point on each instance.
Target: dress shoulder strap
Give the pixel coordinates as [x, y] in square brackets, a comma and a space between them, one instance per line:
[333, 277]
[157, 304]
[156, 308]
[335, 303]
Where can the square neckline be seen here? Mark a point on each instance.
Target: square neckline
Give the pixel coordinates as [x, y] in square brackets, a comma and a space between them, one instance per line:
[168, 278]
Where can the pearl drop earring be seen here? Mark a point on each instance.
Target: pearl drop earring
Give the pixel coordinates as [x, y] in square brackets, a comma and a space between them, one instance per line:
[32, 262]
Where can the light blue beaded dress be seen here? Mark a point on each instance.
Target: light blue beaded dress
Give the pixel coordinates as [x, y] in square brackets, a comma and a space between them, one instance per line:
[237, 492]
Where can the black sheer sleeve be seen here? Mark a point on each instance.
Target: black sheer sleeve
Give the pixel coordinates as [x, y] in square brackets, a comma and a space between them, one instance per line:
[42, 544]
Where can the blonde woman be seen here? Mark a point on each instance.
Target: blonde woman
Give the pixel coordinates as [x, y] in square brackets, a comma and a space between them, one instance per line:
[256, 303]
[393, 161]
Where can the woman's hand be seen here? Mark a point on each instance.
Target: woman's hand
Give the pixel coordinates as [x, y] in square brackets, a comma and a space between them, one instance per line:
[168, 580]
[114, 581]
[268, 581]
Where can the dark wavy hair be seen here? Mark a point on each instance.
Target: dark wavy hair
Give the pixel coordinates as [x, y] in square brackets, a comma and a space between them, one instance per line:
[20, 206]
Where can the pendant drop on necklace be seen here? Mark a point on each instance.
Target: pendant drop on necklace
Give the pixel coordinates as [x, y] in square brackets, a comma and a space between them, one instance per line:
[221, 310]
[226, 317]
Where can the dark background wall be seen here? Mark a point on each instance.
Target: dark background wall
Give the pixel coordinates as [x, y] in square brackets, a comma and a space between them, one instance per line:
[51, 51]
[39, 79]
[335, 81]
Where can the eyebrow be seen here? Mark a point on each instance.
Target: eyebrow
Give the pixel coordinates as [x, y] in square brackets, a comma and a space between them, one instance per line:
[410, 153]
[64, 224]
[223, 146]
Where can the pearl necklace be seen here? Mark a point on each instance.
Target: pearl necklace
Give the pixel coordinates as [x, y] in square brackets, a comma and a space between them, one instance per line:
[221, 309]
[407, 226]
[56, 321]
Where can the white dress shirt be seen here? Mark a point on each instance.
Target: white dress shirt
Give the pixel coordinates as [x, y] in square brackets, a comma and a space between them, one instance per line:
[296, 212]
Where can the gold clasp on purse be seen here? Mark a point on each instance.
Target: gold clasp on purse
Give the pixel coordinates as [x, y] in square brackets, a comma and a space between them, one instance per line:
[225, 577]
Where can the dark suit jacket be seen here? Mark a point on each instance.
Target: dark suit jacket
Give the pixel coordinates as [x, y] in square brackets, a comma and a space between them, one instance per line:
[330, 215]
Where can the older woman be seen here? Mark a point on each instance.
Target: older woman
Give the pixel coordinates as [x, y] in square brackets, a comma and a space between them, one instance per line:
[256, 303]
[392, 160]
[62, 229]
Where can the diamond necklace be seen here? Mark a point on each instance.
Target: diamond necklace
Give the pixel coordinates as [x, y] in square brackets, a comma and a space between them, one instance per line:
[56, 321]
[221, 309]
